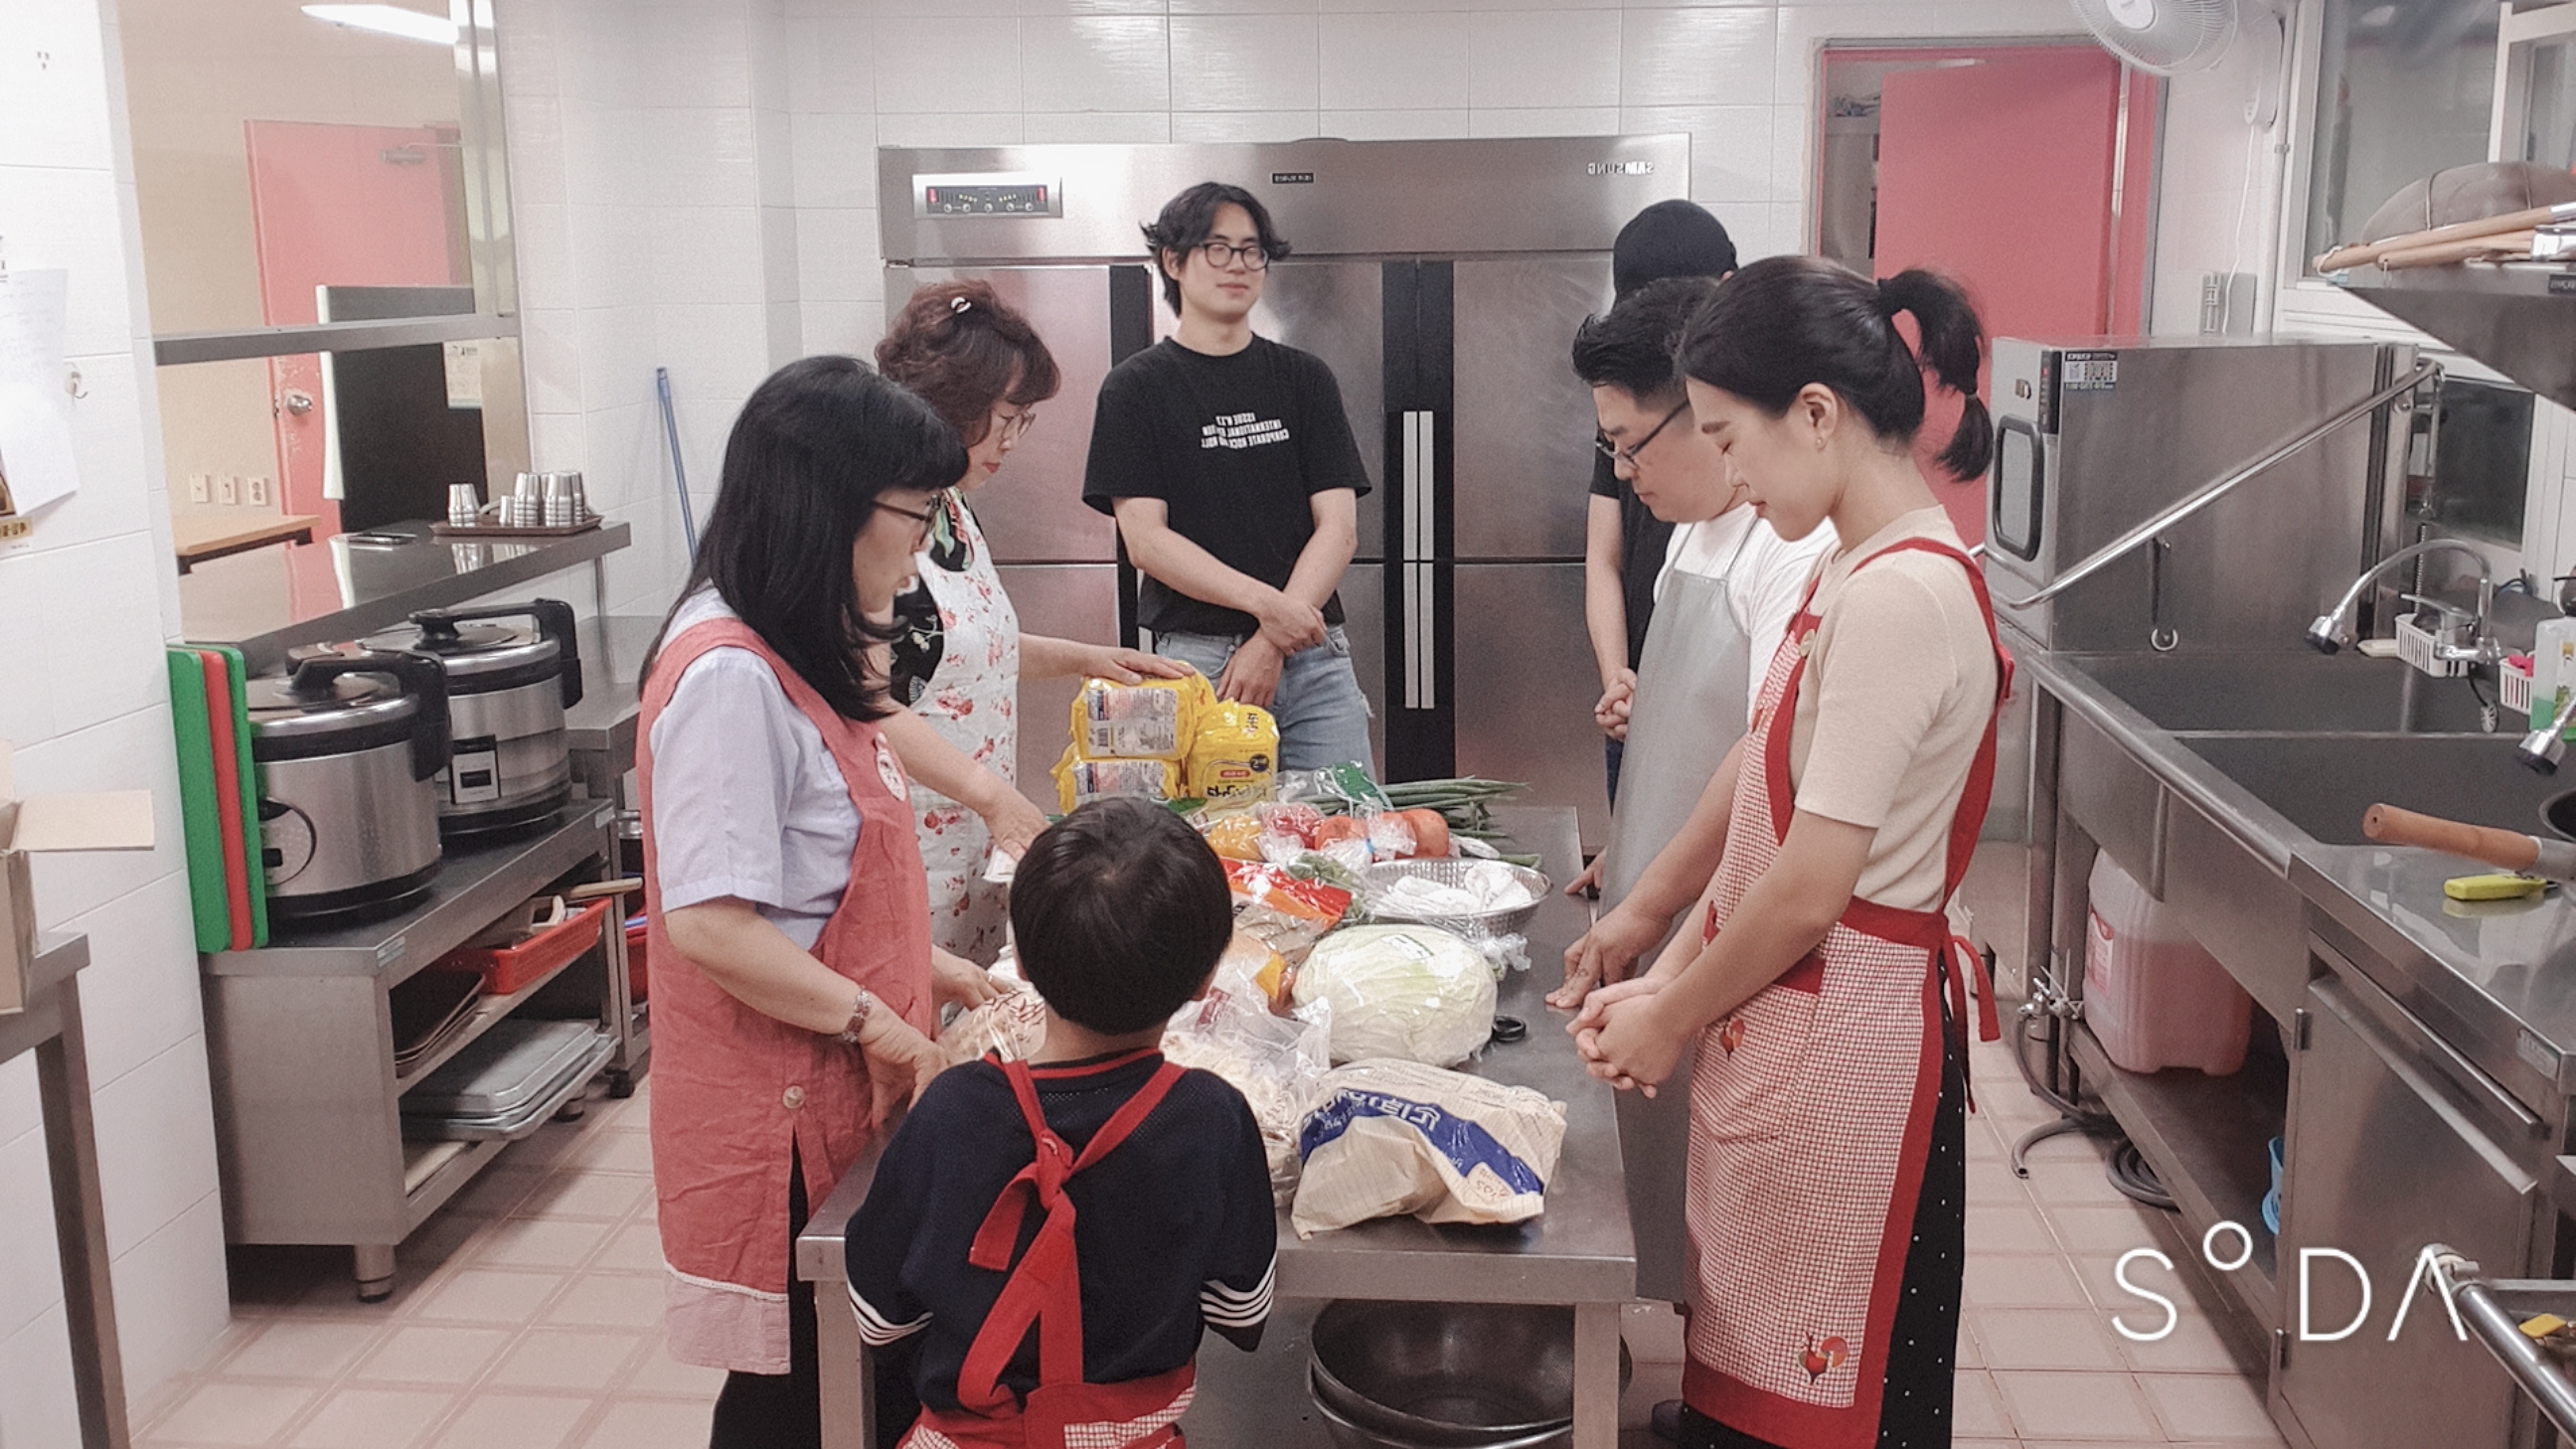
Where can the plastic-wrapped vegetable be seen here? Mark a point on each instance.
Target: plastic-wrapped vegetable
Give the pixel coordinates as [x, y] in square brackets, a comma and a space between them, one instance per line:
[1411, 992]
[1396, 1137]
[1275, 1062]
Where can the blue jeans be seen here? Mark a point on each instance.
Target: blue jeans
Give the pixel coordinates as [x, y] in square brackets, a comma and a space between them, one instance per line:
[1323, 717]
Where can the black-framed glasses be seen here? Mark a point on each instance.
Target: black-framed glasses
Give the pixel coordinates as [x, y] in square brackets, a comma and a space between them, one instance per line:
[1221, 255]
[920, 521]
[1010, 428]
[1628, 455]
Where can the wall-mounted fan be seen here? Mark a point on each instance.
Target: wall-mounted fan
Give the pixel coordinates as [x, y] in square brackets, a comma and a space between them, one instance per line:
[2174, 37]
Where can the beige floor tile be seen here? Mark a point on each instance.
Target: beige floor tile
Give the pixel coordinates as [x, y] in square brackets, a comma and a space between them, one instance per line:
[313, 1349]
[1983, 1144]
[575, 1193]
[531, 1242]
[1991, 1183]
[2194, 1346]
[514, 1421]
[372, 1419]
[509, 1296]
[613, 1150]
[2084, 1406]
[613, 1300]
[2023, 1280]
[662, 1376]
[2007, 1228]
[2219, 1407]
[2073, 1182]
[1970, 1356]
[2044, 1338]
[1976, 1413]
[2111, 1228]
[634, 1248]
[497, 1188]
[561, 1358]
[651, 1424]
[233, 1413]
[420, 1353]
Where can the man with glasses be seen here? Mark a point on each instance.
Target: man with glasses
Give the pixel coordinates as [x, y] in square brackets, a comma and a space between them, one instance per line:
[1229, 464]
[1623, 540]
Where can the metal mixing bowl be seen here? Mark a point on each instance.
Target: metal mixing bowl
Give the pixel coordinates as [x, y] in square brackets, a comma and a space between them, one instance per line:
[1479, 926]
[1349, 1434]
[1447, 1375]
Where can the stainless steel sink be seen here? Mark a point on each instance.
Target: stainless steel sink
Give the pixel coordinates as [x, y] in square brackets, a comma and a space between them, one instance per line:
[2290, 690]
[2321, 784]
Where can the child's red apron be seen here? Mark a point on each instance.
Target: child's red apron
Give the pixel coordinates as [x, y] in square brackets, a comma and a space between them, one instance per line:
[1045, 1289]
[734, 1090]
[1811, 1113]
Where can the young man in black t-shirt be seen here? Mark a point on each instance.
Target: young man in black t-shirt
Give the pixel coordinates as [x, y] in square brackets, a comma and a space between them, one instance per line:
[1230, 467]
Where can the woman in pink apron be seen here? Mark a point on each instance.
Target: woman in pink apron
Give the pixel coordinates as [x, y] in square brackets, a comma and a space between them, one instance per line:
[961, 655]
[794, 980]
[1826, 1195]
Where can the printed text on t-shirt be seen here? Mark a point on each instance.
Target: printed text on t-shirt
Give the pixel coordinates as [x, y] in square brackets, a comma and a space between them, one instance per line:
[1242, 430]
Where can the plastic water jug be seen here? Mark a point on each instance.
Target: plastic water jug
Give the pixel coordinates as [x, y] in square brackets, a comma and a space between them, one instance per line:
[2152, 996]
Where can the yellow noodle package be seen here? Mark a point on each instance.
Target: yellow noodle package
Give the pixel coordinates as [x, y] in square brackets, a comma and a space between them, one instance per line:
[1234, 754]
[1079, 781]
[1154, 719]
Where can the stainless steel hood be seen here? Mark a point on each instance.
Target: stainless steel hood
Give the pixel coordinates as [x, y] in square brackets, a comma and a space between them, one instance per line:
[1074, 204]
[2518, 318]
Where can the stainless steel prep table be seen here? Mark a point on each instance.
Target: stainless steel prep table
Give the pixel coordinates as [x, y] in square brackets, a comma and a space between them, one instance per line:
[1580, 1253]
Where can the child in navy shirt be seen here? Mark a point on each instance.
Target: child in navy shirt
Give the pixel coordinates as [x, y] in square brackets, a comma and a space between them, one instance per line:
[1057, 1232]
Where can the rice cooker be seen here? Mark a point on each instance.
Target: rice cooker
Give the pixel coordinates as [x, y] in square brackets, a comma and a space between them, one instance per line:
[508, 685]
[345, 749]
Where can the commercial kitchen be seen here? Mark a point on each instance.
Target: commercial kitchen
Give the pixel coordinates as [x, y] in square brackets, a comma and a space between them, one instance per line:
[367, 379]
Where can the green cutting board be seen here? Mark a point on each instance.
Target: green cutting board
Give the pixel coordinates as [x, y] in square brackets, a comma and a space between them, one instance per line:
[197, 811]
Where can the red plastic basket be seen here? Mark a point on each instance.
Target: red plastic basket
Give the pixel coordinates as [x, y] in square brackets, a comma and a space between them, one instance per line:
[512, 968]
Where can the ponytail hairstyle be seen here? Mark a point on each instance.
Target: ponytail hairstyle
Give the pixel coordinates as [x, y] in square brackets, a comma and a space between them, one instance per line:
[958, 347]
[1784, 322]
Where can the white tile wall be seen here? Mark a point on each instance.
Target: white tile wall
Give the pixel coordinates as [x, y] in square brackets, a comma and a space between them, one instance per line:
[1738, 75]
[92, 597]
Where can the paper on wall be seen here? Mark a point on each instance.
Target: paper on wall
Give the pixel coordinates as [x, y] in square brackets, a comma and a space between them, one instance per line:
[37, 467]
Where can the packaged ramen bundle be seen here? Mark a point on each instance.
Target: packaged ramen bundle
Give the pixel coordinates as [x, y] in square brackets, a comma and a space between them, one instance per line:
[1234, 755]
[1078, 781]
[1131, 739]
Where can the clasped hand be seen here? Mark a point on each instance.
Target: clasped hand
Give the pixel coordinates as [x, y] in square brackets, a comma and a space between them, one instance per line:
[1626, 1037]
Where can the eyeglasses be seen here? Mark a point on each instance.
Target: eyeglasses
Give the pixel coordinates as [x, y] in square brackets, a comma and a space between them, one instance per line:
[1008, 430]
[1628, 455]
[1221, 255]
[920, 521]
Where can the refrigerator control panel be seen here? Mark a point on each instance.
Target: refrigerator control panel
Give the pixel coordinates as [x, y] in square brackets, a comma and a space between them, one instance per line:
[987, 194]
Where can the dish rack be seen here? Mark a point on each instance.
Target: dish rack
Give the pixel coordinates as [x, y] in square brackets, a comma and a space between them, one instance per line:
[1481, 926]
[2513, 690]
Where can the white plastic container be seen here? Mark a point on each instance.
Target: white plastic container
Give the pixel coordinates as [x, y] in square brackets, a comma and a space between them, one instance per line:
[2152, 996]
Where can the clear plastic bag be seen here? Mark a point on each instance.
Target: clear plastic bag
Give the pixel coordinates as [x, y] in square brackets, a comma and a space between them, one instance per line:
[1276, 1062]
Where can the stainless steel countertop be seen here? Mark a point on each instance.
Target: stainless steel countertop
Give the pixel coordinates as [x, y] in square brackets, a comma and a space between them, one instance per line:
[2495, 979]
[275, 599]
[1580, 1251]
[612, 673]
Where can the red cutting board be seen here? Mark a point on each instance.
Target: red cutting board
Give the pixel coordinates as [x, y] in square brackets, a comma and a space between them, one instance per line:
[228, 799]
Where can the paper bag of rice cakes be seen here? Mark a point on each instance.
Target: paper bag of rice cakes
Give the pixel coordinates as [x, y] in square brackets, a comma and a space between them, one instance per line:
[1388, 1137]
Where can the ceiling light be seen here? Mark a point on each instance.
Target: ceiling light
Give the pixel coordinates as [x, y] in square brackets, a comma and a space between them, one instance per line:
[388, 20]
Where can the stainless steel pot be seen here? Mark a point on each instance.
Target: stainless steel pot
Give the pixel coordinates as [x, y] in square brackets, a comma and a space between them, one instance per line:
[508, 685]
[345, 750]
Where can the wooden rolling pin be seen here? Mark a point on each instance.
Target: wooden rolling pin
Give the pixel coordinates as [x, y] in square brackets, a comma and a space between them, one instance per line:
[2364, 254]
[2503, 247]
[2553, 859]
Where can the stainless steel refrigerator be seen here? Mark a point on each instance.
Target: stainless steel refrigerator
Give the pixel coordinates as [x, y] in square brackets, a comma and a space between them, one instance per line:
[1442, 281]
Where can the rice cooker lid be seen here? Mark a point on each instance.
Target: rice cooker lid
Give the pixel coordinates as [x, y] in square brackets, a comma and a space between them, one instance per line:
[480, 657]
[350, 711]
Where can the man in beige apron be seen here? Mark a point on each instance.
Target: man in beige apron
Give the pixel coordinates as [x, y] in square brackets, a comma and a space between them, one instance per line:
[1728, 587]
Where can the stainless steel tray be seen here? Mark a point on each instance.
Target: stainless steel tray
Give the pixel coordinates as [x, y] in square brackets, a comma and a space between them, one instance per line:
[502, 1071]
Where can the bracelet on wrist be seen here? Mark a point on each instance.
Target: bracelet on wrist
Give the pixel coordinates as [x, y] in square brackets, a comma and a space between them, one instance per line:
[862, 1006]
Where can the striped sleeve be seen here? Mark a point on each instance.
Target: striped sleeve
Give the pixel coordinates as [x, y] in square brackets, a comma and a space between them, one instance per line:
[1234, 1297]
[878, 1331]
[1237, 1308]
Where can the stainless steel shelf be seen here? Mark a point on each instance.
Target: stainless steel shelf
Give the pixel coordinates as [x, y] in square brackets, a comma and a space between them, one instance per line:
[487, 1011]
[475, 886]
[178, 348]
[2516, 317]
[261, 603]
[600, 731]
[2206, 1138]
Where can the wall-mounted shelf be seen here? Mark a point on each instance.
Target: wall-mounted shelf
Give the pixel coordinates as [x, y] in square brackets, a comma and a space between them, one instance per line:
[2516, 317]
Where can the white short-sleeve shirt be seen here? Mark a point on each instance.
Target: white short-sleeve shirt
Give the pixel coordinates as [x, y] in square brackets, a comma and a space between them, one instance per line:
[1764, 580]
[747, 800]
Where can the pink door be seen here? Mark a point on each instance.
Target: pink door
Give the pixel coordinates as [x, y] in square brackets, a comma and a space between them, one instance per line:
[1999, 172]
[341, 206]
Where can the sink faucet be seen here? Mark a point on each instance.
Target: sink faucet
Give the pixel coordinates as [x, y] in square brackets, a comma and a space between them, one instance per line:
[2333, 629]
[2543, 748]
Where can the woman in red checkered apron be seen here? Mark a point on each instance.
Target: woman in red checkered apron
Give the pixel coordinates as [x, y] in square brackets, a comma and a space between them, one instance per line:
[1826, 1183]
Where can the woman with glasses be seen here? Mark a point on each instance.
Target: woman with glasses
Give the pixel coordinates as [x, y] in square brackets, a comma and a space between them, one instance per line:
[1230, 466]
[794, 979]
[959, 654]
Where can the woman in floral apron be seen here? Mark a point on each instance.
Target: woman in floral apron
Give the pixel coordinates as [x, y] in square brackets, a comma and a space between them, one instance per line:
[1826, 1195]
[959, 660]
[794, 977]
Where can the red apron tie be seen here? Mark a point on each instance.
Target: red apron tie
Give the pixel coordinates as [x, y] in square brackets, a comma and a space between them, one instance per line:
[1045, 1290]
